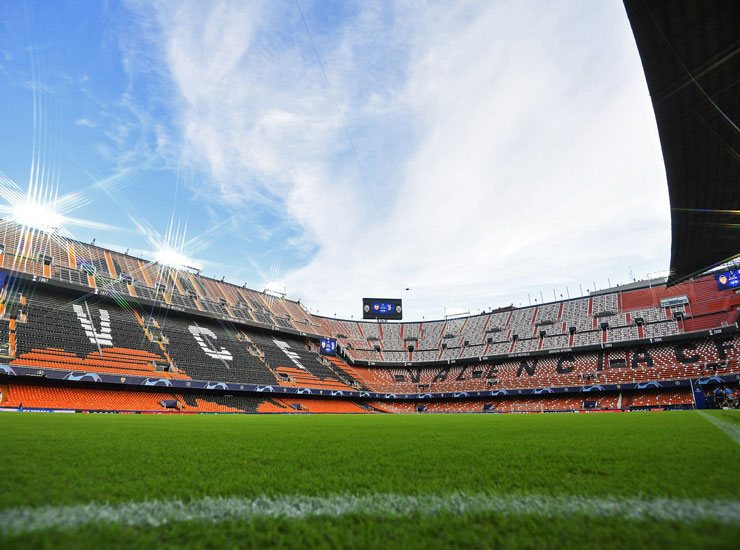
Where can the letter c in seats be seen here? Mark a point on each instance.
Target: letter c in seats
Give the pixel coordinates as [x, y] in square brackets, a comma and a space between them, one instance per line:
[198, 333]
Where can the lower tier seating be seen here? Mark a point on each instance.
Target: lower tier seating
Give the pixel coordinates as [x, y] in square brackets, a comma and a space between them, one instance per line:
[109, 360]
[31, 396]
[604, 401]
[37, 396]
[323, 406]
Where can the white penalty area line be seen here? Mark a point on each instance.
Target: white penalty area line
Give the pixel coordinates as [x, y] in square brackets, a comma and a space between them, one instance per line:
[732, 430]
[156, 513]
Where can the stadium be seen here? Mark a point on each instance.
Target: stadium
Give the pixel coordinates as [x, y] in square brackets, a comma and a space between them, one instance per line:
[213, 414]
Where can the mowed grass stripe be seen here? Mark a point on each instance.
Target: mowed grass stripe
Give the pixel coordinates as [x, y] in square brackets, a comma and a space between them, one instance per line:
[732, 430]
[157, 513]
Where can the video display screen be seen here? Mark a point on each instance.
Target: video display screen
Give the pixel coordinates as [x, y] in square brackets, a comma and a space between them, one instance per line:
[382, 308]
[727, 280]
[328, 346]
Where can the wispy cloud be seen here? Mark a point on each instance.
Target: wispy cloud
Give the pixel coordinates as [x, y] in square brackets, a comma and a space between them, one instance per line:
[85, 122]
[506, 148]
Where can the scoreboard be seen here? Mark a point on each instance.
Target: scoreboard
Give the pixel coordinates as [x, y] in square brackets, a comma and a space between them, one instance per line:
[382, 308]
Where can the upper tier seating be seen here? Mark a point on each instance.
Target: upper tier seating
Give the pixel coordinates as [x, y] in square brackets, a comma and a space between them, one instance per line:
[613, 317]
[596, 320]
[91, 266]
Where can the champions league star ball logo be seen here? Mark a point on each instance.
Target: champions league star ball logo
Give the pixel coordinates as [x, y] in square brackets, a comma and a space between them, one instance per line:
[328, 346]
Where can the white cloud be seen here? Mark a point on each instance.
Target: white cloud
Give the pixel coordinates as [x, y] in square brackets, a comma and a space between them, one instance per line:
[510, 148]
[85, 122]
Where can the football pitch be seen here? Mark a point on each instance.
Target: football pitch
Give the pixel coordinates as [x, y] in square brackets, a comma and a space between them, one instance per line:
[392, 481]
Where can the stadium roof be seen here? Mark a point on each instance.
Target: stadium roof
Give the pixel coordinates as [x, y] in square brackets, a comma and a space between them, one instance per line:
[690, 53]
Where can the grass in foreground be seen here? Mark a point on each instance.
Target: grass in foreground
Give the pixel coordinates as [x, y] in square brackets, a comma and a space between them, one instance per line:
[63, 460]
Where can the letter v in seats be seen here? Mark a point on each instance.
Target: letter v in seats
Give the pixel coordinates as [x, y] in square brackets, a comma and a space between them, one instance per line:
[103, 337]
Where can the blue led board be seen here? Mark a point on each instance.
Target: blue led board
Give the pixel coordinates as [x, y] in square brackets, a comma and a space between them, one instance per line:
[382, 308]
[727, 280]
[328, 346]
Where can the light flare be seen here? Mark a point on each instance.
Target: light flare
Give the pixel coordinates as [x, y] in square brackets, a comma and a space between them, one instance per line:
[170, 257]
[37, 215]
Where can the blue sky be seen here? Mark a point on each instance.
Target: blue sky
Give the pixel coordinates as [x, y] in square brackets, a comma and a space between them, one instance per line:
[478, 153]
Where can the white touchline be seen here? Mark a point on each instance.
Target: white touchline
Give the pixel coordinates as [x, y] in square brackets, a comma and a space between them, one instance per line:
[213, 510]
[730, 429]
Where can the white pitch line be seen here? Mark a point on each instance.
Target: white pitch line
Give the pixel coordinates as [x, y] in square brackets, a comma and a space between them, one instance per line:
[732, 430]
[213, 510]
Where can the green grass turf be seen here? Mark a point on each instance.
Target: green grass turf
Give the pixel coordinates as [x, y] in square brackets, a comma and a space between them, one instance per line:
[74, 459]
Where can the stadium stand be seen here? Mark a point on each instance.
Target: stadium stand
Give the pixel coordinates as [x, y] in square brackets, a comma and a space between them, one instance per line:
[593, 321]
[597, 402]
[34, 396]
[615, 366]
[322, 406]
[71, 307]
[56, 332]
[47, 397]
[37, 396]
